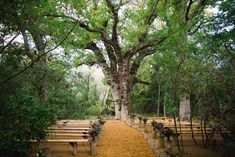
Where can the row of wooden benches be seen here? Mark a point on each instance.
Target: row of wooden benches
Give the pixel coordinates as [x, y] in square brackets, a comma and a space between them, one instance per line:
[73, 132]
[185, 126]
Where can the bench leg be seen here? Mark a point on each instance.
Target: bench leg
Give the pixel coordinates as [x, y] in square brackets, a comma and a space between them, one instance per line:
[93, 148]
[75, 147]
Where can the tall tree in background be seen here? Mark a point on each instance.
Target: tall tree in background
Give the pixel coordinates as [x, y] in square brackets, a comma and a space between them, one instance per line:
[187, 16]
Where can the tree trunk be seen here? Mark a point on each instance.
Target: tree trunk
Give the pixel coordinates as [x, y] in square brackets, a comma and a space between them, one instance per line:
[115, 94]
[203, 140]
[159, 99]
[176, 131]
[204, 127]
[125, 84]
[164, 104]
[41, 46]
[191, 126]
[184, 110]
[121, 92]
[181, 136]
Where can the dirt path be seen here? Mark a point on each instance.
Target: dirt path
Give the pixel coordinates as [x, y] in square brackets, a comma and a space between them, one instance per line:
[119, 140]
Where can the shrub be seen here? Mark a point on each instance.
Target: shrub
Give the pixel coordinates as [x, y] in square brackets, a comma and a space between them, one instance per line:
[101, 121]
[140, 118]
[95, 130]
[23, 118]
[160, 126]
[145, 120]
[154, 125]
[167, 132]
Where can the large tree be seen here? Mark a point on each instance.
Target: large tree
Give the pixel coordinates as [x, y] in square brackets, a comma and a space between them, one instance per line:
[118, 35]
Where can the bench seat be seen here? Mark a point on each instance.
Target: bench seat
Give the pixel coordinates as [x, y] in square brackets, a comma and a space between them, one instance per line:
[67, 128]
[68, 131]
[71, 135]
[72, 142]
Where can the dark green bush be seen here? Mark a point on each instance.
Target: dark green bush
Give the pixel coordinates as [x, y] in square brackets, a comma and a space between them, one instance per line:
[167, 132]
[23, 118]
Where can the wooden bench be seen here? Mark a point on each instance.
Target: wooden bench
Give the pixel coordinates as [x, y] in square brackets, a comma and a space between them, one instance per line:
[67, 128]
[67, 131]
[73, 122]
[69, 135]
[72, 142]
[72, 132]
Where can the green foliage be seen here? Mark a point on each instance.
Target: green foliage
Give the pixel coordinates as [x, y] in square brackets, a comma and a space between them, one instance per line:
[86, 96]
[102, 121]
[23, 118]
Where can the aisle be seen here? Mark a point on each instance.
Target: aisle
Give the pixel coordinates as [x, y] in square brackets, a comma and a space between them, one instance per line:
[119, 140]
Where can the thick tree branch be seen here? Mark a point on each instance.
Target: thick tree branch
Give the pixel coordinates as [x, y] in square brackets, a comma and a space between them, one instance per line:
[142, 46]
[112, 57]
[149, 20]
[188, 9]
[152, 14]
[38, 58]
[81, 24]
[100, 31]
[114, 27]
[197, 10]
[136, 63]
[99, 56]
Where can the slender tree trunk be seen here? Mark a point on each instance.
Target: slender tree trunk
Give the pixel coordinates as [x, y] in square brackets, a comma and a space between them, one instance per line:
[105, 97]
[205, 123]
[201, 121]
[40, 45]
[176, 131]
[159, 98]
[191, 126]
[164, 104]
[181, 136]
